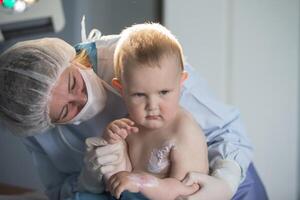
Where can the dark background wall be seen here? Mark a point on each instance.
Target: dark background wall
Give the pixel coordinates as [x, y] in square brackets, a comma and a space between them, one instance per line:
[109, 16]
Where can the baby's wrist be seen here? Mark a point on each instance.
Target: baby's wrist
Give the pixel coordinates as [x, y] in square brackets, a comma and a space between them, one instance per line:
[143, 181]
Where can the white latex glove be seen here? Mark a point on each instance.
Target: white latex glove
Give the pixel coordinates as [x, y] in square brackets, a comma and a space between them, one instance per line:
[100, 159]
[221, 185]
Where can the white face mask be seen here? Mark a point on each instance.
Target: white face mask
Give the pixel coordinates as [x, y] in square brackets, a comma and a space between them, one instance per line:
[96, 95]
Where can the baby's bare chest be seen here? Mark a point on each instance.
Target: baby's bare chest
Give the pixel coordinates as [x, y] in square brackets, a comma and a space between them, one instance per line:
[152, 156]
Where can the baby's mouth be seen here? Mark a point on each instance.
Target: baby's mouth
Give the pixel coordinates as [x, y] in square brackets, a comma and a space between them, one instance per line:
[153, 117]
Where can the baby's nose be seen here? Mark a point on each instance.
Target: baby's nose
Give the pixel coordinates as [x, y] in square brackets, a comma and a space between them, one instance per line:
[152, 104]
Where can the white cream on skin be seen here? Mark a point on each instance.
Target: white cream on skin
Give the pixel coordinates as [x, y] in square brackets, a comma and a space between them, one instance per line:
[159, 158]
[143, 181]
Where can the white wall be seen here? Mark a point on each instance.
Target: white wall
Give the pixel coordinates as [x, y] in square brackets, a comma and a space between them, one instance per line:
[249, 50]
[200, 27]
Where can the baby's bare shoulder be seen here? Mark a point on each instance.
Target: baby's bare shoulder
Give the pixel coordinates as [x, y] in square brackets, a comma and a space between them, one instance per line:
[186, 125]
[190, 152]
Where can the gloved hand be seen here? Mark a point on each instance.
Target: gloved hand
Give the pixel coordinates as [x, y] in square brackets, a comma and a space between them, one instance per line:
[101, 159]
[221, 185]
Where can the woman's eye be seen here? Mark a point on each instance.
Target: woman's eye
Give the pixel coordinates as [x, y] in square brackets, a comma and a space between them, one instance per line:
[64, 112]
[73, 83]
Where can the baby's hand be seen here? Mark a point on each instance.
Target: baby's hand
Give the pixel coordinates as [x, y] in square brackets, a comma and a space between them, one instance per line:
[119, 129]
[120, 182]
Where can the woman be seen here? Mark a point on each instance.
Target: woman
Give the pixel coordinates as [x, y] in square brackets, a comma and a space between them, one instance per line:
[50, 95]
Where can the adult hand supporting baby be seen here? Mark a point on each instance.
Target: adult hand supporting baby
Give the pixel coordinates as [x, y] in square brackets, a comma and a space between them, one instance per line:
[221, 185]
[101, 159]
[210, 187]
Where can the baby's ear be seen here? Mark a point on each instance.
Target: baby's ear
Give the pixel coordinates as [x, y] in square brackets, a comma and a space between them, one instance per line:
[116, 83]
[184, 76]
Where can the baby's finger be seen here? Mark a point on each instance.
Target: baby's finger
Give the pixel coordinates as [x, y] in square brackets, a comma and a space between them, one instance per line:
[128, 121]
[123, 133]
[118, 191]
[111, 182]
[115, 184]
[114, 190]
[113, 136]
[129, 126]
[120, 128]
[122, 124]
[133, 129]
[115, 128]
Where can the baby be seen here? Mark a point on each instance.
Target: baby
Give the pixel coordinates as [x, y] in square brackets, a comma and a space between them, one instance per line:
[164, 141]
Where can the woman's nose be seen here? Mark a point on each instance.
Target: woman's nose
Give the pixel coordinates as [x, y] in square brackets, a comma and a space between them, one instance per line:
[82, 99]
[79, 98]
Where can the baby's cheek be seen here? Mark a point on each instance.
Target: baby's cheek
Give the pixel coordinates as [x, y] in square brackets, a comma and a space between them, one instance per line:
[135, 115]
[169, 111]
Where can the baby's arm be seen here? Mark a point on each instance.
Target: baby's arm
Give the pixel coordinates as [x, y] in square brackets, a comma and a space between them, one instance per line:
[189, 154]
[118, 130]
[115, 132]
[149, 185]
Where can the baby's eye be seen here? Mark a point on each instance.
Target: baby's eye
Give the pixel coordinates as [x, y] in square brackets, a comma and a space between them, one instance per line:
[164, 92]
[138, 94]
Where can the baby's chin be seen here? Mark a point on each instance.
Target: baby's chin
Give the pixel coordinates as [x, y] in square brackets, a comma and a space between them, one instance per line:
[152, 124]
